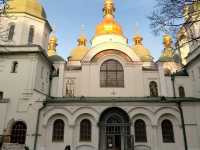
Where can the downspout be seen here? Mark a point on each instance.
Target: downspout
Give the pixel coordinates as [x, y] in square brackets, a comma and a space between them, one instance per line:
[173, 84]
[181, 112]
[183, 125]
[37, 125]
[39, 112]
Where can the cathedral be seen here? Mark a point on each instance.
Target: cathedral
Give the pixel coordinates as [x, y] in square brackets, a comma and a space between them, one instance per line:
[107, 95]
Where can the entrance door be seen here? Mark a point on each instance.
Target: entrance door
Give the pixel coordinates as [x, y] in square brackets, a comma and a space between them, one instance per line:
[114, 130]
[113, 136]
[113, 142]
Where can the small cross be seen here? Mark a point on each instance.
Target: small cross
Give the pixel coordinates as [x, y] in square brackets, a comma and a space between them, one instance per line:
[113, 93]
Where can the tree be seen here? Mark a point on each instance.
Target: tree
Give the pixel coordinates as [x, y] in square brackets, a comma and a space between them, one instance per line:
[173, 16]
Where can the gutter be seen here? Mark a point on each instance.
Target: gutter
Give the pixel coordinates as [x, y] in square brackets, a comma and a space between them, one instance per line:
[37, 125]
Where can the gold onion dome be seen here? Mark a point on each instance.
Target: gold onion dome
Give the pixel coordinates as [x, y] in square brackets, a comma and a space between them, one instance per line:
[31, 7]
[108, 25]
[168, 52]
[52, 45]
[79, 52]
[140, 50]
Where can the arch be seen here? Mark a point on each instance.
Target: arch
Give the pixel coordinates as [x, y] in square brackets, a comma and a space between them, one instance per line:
[111, 52]
[142, 112]
[18, 132]
[89, 112]
[116, 111]
[85, 130]
[167, 131]
[140, 131]
[111, 45]
[111, 74]
[169, 113]
[153, 87]
[58, 130]
[58, 111]
[181, 91]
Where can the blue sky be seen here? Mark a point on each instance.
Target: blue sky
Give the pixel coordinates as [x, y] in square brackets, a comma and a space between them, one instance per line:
[68, 15]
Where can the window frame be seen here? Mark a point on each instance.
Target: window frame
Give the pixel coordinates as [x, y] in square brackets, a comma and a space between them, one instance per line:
[11, 32]
[150, 89]
[140, 131]
[58, 132]
[18, 132]
[167, 131]
[31, 34]
[107, 74]
[1, 95]
[85, 131]
[181, 91]
[14, 66]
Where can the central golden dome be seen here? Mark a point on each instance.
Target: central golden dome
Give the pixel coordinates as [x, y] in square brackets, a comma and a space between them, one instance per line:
[108, 25]
[31, 7]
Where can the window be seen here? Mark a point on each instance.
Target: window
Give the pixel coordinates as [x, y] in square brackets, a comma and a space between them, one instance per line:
[42, 72]
[192, 74]
[167, 132]
[140, 131]
[1, 95]
[111, 74]
[58, 131]
[14, 67]
[153, 89]
[18, 133]
[11, 32]
[199, 72]
[31, 35]
[181, 91]
[85, 130]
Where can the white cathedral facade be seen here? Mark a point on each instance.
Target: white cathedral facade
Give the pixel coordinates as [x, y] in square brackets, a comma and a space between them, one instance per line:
[108, 95]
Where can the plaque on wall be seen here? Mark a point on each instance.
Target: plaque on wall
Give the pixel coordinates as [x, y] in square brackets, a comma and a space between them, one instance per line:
[13, 146]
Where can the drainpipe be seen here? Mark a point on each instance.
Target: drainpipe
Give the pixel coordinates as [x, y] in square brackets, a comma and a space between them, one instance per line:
[173, 84]
[37, 125]
[183, 125]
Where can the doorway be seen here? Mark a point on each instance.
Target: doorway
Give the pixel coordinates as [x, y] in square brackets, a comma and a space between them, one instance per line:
[114, 130]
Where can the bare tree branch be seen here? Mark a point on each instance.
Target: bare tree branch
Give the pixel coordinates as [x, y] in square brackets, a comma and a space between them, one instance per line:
[171, 15]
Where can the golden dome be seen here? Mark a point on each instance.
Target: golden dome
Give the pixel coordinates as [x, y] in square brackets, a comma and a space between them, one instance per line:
[167, 41]
[52, 45]
[140, 50]
[31, 7]
[79, 52]
[108, 25]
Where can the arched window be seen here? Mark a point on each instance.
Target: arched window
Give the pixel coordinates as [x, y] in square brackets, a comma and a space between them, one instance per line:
[1, 95]
[153, 89]
[18, 133]
[31, 35]
[111, 74]
[140, 131]
[181, 91]
[85, 130]
[167, 132]
[11, 32]
[14, 67]
[58, 131]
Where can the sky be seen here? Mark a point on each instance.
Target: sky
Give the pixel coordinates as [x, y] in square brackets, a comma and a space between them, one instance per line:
[67, 17]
